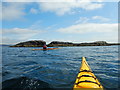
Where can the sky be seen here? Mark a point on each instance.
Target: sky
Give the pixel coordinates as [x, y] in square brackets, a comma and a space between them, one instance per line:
[72, 21]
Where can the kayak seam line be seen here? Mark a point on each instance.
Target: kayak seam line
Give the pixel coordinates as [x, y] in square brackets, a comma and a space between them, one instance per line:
[87, 76]
[88, 82]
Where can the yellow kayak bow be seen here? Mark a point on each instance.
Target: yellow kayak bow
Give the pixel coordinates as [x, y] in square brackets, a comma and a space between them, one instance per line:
[85, 78]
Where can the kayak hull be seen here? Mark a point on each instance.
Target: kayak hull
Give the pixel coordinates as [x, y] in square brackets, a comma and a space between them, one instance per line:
[85, 78]
[46, 49]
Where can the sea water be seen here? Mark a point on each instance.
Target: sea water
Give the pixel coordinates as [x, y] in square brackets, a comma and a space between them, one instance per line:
[27, 69]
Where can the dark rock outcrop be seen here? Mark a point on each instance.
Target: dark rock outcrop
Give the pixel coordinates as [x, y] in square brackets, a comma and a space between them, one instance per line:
[114, 44]
[58, 43]
[98, 43]
[35, 43]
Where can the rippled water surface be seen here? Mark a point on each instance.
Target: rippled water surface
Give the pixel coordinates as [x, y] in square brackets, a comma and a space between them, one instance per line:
[25, 68]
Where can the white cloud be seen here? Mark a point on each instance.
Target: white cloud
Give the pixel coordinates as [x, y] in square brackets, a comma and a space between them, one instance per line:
[20, 31]
[34, 11]
[97, 19]
[13, 11]
[16, 10]
[59, 0]
[17, 34]
[89, 28]
[6, 40]
[92, 32]
[0, 11]
[82, 20]
[102, 19]
[61, 8]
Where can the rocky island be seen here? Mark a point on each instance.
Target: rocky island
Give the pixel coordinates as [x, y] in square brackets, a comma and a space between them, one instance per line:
[35, 43]
[98, 43]
[40, 43]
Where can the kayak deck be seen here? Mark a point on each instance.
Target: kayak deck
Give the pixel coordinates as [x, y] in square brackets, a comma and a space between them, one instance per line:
[46, 49]
[85, 78]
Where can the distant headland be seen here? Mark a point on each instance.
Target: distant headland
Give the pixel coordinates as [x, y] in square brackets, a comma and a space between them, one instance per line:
[40, 43]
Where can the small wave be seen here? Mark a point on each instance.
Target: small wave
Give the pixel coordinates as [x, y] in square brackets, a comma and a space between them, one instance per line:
[19, 64]
[32, 69]
[30, 56]
[24, 83]
[5, 73]
[28, 63]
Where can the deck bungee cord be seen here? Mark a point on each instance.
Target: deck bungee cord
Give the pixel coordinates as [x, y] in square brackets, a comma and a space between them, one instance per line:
[86, 78]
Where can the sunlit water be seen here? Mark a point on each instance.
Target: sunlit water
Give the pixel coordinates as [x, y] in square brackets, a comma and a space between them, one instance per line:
[57, 68]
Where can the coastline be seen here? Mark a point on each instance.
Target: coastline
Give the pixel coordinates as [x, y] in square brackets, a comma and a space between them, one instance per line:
[40, 43]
